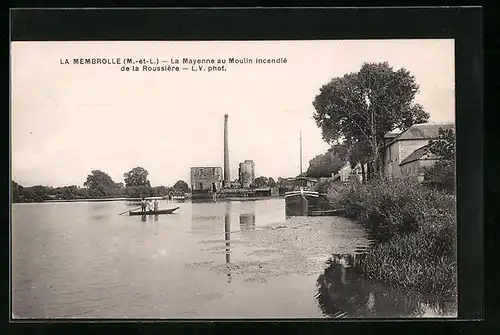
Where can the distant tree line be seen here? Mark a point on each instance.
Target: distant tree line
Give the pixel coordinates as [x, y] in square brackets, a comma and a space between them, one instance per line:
[99, 185]
[330, 162]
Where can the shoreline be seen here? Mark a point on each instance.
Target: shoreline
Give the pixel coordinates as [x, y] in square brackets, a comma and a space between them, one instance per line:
[414, 239]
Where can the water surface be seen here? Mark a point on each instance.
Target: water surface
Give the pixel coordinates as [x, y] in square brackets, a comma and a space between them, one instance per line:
[208, 260]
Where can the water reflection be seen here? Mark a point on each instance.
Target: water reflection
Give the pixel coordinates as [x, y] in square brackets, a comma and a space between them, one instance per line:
[207, 217]
[227, 237]
[343, 292]
[247, 221]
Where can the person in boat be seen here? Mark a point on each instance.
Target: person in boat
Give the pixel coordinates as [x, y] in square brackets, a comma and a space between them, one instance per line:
[143, 205]
[155, 205]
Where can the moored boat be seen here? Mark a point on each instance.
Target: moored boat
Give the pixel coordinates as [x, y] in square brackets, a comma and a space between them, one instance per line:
[157, 212]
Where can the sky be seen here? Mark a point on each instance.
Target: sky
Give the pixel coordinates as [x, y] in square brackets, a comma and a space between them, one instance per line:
[67, 120]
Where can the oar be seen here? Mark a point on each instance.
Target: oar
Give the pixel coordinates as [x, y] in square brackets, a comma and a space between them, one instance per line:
[130, 210]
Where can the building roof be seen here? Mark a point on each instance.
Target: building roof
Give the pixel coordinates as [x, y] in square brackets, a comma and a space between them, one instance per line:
[391, 134]
[421, 131]
[417, 154]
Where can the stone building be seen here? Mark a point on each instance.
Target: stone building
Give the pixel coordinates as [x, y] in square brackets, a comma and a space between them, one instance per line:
[406, 154]
[411, 146]
[246, 173]
[415, 164]
[206, 180]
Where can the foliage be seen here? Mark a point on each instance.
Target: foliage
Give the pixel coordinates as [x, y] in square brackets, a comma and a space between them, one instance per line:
[341, 289]
[442, 174]
[181, 186]
[261, 182]
[139, 191]
[271, 182]
[100, 184]
[359, 108]
[324, 186]
[330, 162]
[425, 259]
[138, 176]
[17, 192]
[389, 207]
[40, 193]
[444, 146]
[415, 228]
[160, 191]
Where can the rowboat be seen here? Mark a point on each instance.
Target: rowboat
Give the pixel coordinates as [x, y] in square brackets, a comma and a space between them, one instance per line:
[161, 211]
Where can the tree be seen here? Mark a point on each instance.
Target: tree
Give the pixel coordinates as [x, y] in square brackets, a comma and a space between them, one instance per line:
[136, 177]
[442, 174]
[17, 192]
[271, 182]
[444, 146]
[330, 162]
[100, 184]
[181, 186]
[160, 190]
[359, 108]
[261, 182]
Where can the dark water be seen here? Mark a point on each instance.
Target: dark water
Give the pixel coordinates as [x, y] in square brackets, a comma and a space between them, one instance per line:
[209, 260]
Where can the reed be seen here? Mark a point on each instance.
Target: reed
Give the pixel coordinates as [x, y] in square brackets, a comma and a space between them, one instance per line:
[415, 228]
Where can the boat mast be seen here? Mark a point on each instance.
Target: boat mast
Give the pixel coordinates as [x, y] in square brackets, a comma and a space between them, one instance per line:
[301, 153]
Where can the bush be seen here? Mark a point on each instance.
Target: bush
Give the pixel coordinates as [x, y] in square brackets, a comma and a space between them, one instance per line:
[441, 176]
[425, 260]
[389, 207]
[415, 228]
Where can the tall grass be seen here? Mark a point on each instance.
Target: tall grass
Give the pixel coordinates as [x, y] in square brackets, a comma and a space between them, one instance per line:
[415, 226]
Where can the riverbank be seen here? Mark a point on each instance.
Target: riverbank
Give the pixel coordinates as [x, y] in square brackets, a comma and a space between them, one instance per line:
[90, 200]
[415, 228]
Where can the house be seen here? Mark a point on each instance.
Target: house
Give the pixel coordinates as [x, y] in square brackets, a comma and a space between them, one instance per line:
[205, 180]
[414, 165]
[401, 151]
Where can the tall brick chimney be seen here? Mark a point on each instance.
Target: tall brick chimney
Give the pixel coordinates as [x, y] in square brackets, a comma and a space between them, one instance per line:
[227, 179]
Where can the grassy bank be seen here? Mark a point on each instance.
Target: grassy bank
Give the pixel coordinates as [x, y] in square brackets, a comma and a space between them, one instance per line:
[415, 227]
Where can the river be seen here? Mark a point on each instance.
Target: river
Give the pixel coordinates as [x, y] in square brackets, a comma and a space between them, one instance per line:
[208, 260]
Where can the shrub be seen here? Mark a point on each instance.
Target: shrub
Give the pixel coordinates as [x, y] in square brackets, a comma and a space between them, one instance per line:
[441, 176]
[415, 226]
[391, 207]
[425, 260]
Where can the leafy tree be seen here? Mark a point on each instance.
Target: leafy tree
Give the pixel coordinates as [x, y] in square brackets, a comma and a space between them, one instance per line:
[99, 184]
[66, 192]
[160, 191]
[330, 162]
[444, 146]
[139, 191]
[181, 186]
[261, 182]
[138, 176]
[17, 192]
[271, 182]
[360, 108]
[442, 174]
